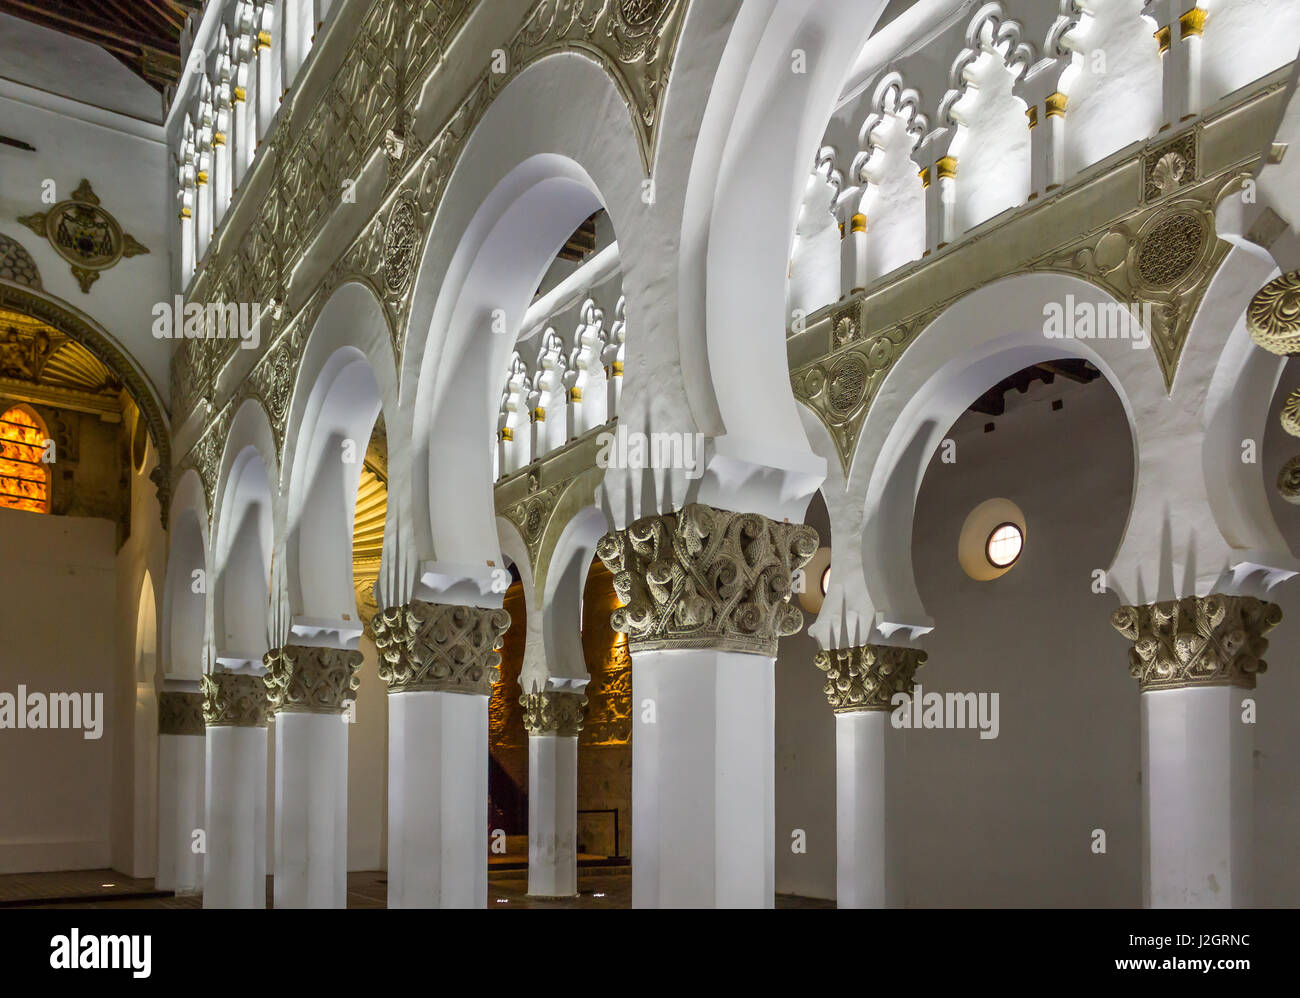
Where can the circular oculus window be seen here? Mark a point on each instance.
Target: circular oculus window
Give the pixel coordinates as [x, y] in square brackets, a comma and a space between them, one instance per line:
[1004, 545]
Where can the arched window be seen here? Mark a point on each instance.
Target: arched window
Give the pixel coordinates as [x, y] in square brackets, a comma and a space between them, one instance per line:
[24, 477]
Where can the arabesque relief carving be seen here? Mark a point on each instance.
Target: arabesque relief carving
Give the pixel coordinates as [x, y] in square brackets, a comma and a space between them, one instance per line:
[439, 646]
[309, 680]
[1213, 640]
[554, 712]
[707, 578]
[234, 699]
[868, 677]
[180, 713]
[366, 113]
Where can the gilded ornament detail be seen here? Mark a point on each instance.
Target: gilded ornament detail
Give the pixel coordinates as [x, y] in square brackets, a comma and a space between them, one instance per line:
[1291, 414]
[1273, 316]
[180, 713]
[309, 680]
[1288, 481]
[439, 646]
[1213, 640]
[707, 578]
[554, 712]
[84, 234]
[868, 677]
[233, 699]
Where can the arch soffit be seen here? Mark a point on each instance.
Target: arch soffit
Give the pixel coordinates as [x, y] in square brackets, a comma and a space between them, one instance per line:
[250, 428]
[522, 139]
[353, 317]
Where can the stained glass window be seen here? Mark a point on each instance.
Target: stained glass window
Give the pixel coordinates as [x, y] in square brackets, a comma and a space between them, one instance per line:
[24, 483]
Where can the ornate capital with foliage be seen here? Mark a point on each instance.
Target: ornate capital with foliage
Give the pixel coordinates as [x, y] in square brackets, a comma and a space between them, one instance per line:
[234, 700]
[180, 714]
[1213, 640]
[554, 712]
[439, 646]
[868, 677]
[306, 680]
[707, 578]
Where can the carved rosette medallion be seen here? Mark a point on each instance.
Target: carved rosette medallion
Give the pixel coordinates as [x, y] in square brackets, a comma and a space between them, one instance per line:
[180, 714]
[439, 646]
[84, 234]
[401, 243]
[869, 676]
[305, 680]
[1290, 415]
[234, 700]
[706, 578]
[1213, 640]
[1288, 481]
[554, 712]
[1273, 316]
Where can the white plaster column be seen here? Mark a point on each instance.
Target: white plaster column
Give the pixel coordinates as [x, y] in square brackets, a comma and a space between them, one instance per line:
[440, 661]
[706, 596]
[1191, 28]
[1196, 660]
[553, 719]
[861, 685]
[854, 272]
[181, 765]
[234, 867]
[1040, 90]
[939, 177]
[309, 688]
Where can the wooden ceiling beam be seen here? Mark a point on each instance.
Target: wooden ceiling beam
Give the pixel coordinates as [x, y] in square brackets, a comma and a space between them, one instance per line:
[90, 27]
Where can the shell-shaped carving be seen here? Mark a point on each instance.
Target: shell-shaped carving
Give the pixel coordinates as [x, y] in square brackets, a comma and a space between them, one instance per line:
[1169, 171]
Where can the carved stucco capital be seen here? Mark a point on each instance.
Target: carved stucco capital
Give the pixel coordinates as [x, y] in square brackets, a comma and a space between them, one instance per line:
[234, 700]
[867, 677]
[439, 646]
[707, 578]
[180, 714]
[1213, 640]
[307, 680]
[554, 712]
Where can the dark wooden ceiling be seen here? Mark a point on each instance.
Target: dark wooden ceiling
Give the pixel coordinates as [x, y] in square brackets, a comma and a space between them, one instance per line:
[143, 34]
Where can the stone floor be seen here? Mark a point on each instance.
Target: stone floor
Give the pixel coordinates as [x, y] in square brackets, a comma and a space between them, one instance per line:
[599, 887]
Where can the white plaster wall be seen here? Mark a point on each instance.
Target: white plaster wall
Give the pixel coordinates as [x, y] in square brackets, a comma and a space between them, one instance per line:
[368, 769]
[129, 175]
[1244, 40]
[40, 57]
[54, 567]
[134, 701]
[1006, 821]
